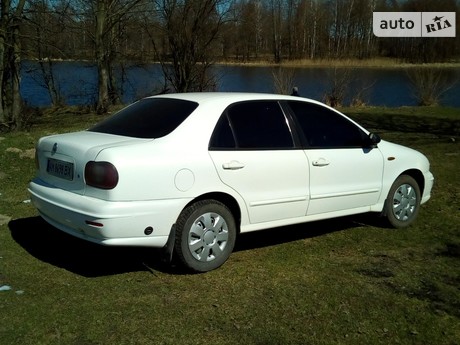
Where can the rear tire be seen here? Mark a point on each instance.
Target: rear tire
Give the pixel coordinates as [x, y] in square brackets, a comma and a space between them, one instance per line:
[205, 235]
[403, 202]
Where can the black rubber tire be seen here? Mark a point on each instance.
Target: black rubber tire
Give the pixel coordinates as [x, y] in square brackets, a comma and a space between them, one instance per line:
[405, 216]
[212, 248]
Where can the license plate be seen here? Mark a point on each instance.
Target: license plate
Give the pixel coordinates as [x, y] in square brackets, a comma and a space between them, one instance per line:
[60, 169]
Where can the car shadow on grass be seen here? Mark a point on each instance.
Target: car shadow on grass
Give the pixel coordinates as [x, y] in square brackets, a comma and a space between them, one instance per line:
[87, 259]
[291, 233]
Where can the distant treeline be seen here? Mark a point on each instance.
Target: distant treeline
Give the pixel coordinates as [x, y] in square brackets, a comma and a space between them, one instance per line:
[248, 30]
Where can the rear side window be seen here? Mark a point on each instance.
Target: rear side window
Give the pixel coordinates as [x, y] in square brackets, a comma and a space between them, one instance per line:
[324, 128]
[148, 118]
[252, 125]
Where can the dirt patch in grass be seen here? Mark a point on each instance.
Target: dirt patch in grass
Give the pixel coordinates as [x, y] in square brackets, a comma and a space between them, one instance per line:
[30, 153]
[4, 219]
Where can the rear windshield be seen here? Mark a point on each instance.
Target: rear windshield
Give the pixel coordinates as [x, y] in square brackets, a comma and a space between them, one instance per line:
[147, 118]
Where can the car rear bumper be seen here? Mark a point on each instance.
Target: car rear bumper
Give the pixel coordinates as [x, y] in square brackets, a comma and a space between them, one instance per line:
[105, 222]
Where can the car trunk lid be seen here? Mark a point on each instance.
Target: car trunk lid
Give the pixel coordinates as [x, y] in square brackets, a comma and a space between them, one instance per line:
[62, 158]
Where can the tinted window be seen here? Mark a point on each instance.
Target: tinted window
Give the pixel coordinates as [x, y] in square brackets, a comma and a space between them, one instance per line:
[252, 125]
[223, 135]
[324, 128]
[147, 118]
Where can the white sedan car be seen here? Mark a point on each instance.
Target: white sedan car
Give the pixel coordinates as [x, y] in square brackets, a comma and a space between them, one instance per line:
[189, 172]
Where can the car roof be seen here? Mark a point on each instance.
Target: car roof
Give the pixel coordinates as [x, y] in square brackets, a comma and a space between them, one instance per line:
[230, 97]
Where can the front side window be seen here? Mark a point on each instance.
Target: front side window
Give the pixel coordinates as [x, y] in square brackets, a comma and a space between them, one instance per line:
[252, 125]
[148, 118]
[324, 128]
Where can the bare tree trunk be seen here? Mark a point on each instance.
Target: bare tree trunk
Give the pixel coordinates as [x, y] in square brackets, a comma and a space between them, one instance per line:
[315, 25]
[370, 34]
[5, 7]
[47, 71]
[347, 28]
[108, 14]
[16, 76]
[290, 29]
[10, 59]
[277, 37]
[103, 100]
[258, 27]
[337, 30]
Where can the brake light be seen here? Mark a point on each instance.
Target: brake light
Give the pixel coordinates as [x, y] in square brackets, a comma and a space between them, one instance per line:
[101, 175]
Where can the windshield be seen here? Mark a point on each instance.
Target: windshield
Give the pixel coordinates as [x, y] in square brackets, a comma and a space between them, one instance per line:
[148, 118]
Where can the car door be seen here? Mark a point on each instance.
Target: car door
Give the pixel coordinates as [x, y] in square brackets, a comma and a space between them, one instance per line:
[253, 151]
[345, 172]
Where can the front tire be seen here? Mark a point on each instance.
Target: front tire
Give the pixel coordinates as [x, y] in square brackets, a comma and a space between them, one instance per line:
[403, 202]
[205, 235]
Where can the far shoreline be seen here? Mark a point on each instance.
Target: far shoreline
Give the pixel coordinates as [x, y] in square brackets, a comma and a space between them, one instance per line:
[390, 63]
[342, 63]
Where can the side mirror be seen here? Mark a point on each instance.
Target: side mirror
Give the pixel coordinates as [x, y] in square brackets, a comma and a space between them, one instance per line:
[372, 140]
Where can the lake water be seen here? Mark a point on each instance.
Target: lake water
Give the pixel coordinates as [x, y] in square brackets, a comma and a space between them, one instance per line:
[77, 82]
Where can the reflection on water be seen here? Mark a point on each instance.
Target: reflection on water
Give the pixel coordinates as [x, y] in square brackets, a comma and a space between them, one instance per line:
[77, 83]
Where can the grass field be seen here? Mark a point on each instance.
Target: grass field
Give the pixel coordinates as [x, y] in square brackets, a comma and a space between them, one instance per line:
[344, 281]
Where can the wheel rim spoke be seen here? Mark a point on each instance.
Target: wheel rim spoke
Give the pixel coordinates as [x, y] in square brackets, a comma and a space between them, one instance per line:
[195, 246]
[222, 236]
[397, 209]
[197, 230]
[207, 220]
[397, 197]
[219, 223]
[411, 193]
[204, 255]
[407, 213]
[403, 189]
[216, 250]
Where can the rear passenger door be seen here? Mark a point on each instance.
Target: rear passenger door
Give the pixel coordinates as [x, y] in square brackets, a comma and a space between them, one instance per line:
[253, 151]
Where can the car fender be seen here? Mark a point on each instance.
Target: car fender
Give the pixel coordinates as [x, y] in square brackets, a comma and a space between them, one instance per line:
[399, 160]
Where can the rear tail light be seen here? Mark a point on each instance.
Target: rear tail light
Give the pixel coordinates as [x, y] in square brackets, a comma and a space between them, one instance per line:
[101, 175]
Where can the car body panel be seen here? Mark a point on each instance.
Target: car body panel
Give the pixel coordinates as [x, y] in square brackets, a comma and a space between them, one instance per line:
[123, 223]
[358, 183]
[273, 184]
[400, 159]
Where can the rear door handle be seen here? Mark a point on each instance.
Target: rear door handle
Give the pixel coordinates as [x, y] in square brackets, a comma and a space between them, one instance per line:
[233, 165]
[320, 162]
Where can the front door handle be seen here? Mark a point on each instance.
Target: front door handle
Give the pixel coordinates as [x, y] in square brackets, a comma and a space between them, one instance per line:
[320, 162]
[233, 165]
